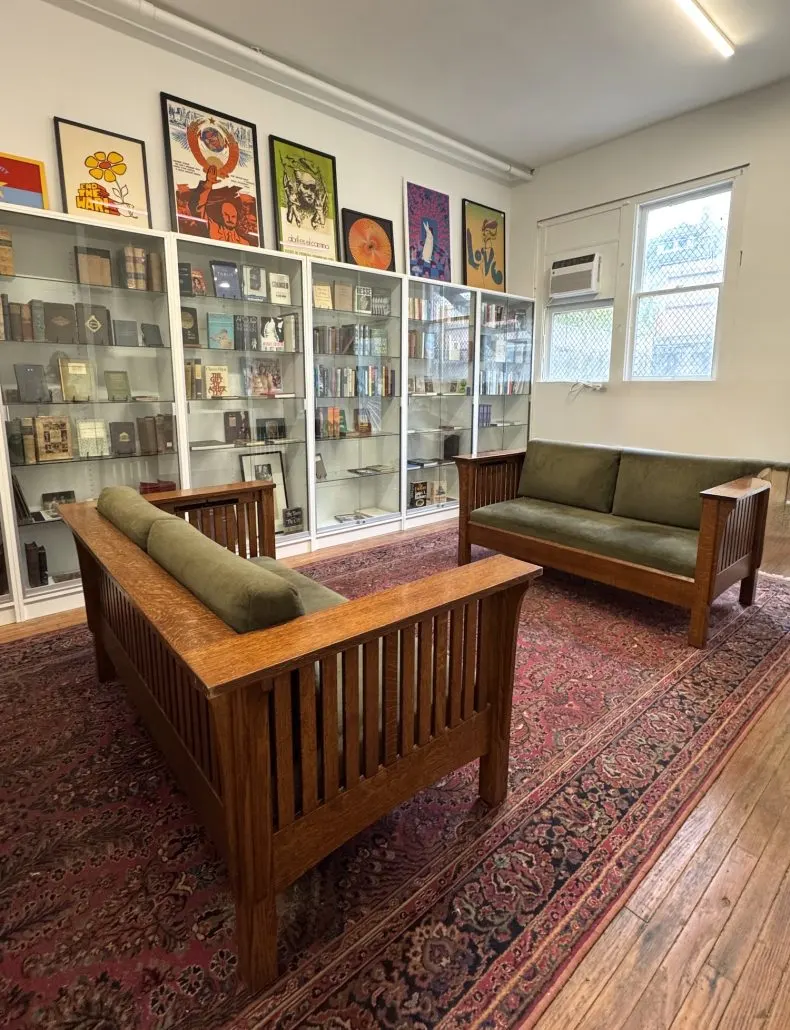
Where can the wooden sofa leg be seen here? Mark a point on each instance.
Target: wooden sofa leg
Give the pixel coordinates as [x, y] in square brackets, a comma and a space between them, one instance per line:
[698, 629]
[241, 719]
[748, 591]
[464, 547]
[105, 670]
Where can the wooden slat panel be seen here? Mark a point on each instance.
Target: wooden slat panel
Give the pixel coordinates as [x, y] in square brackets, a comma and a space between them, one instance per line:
[252, 526]
[308, 738]
[390, 695]
[407, 671]
[456, 663]
[371, 716]
[217, 528]
[470, 660]
[284, 750]
[329, 728]
[424, 682]
[242, 520]
[440, 674]
[351, 715]
[230, 527]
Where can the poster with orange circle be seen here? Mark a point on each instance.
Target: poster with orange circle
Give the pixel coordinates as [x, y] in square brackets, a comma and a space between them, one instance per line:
[368, 241]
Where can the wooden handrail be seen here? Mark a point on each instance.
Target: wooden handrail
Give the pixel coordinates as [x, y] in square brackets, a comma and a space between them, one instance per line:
[490, 457]
[737, 489]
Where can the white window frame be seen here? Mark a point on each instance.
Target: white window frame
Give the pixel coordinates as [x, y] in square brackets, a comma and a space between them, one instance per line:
[642, 211]
[580, 305]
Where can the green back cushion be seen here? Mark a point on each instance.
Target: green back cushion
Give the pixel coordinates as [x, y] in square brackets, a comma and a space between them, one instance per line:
[315, 597]
[568, 473]
[666, 488]
[244, 596]
[130, 512]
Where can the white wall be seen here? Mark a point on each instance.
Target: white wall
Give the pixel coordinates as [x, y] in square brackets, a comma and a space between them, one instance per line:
[746, 410]
[57, 63]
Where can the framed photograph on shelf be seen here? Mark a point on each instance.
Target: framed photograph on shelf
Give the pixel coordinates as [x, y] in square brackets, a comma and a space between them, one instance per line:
[23, 181]
[304, 186]
[427, 218]
[212, 171]
[484, 246]
[103, 175]
[368, 241]
[268, 466]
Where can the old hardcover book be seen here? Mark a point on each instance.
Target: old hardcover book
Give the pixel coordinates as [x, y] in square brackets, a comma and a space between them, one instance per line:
[226, 279]
[43, 573]
[117, 383]
[279, 288]
[123, 439]
[32, 563]
[2, 323]
[92, 438]
[93, 325]
[272, 333]
[363, 299]
[322, 295]
[263, 377]
[237, 426]
[78, 380]
[126, 268]
[344, 296]
[418, 494]
[16, 449]
[15, 312]
[39, 321]
[220, 331]
[185, 278]
[156, 279]
[254, 282]
[94, 266]
[291, 333]
[6, 306]
[215, 379]
[124, 333]
[189, 327]
[6, 253]
[61, 323]
[53, 438]
[152, 334]
[164, 427]
[29, 440]
[140, 268]
[198, 283]
[245, 332]
[146, 430]
[32, 384]
[27, 322]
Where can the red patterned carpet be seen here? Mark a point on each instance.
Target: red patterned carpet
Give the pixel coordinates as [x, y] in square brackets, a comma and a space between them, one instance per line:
[115, 911]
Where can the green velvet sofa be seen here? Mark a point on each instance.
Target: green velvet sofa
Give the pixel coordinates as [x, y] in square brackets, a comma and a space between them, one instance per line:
[680, 528]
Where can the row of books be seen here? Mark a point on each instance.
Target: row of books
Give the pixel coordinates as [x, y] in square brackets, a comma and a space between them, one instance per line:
[343, 296]
[504, 351]
[350, 339]
[361, 381]
[496, 383]
[428, 385]
[437, 308]
[85, 324]
[241, 332]
[496, 316]
[78, 383]
[331, 423]
[39, 439]
[229, 284]
[439, 346]
[262, 377]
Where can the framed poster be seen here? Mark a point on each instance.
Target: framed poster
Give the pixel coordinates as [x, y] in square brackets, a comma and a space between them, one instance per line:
[427, 216]
[212, 173]
[484, 246]
[304, 186]
[23, 181]
[103, 176]
[267, 465]
[367, 241]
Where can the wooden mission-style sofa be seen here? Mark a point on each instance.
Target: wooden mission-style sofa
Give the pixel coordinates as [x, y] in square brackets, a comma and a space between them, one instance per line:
[291, 739]
[676, 527]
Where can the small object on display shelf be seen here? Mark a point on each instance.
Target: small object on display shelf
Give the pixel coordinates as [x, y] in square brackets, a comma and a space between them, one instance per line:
[263, 378]
[343, 295]
[92, 438]
[124, 333]
[152, 335]
[65, 577]
[6, 253]
[373, 513]
[16, 448]
[245, 332]
[94, 266]
[156, 279]
[216, 381]
[320, 468]
[381, 304]
[146, 431]
[185, 279]
[32, 384]
[226, 280]
[93, 325]
[61, 323]
[51, 501]
[160, 486]
[322, 296]
[164, 427]
[53, 438]
[78, 380]
[190, 335]
[117, 383]
[254, 282]
[123, 439]
[363, 299]
[221, 334]
[293, 520]
[418, 494]
[237, 427]
[279, 288]
[272, 334]
[270, 430]
[198, 283]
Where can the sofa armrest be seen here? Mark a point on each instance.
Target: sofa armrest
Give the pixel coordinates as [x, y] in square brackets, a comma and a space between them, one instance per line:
[484, 479]
[240, 516]
[738, 489]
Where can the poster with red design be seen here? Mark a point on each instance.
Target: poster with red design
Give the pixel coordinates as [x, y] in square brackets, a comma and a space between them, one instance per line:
[23, 181]
[212, 167]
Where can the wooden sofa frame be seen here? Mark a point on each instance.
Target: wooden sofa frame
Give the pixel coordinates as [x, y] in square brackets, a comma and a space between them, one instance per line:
[732, 530]
[280, 773]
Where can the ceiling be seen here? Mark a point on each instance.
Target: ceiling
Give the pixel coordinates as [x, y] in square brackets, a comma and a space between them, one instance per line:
[524, 80]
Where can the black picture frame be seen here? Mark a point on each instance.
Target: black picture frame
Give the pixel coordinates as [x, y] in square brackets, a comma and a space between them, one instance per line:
[248, 459]
[273, 140]
[349, 217]
[164, 98]
[104, 132]
[486, 288]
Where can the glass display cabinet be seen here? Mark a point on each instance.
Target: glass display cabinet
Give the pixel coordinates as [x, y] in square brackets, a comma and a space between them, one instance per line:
[242, 329]
[86, 376]
[505, 372]
[440, 378]
[357, 377]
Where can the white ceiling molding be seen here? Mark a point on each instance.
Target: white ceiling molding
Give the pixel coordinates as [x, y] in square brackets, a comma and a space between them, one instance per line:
[151, 24]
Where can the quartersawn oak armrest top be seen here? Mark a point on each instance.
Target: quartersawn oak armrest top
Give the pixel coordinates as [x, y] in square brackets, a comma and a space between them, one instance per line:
[265, 653]
[490, 458]
[210, 493]
[738, 488]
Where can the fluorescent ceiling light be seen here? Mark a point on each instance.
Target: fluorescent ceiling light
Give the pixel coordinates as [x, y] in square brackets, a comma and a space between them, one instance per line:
[707, 26]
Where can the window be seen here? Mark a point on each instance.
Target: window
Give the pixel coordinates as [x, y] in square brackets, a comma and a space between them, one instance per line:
[579, 344]
[681, 248]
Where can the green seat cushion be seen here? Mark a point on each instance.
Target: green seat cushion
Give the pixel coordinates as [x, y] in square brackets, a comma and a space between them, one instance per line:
[244, 596]
[666, 488]
[569, 473]
[667, 548]
[314, 596]
[130, 512]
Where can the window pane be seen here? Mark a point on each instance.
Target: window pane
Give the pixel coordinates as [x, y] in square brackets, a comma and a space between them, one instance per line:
[685, 242]
[675, 334]
[580, 342]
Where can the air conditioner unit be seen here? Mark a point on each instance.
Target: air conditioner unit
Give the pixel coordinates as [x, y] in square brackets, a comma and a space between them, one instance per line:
[575, 277]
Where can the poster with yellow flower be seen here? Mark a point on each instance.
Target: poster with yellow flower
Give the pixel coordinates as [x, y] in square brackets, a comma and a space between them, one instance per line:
[103, 176]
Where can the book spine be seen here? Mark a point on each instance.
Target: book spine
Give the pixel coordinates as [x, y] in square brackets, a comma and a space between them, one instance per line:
[38, 320]
[29, 441]
[2, 324]
[140, 266]
[16, 446]
[155, 274]
[6, 253]
[128, 276]
[27, 322]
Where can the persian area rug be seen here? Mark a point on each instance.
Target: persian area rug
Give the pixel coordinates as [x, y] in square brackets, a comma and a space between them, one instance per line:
[115, 912]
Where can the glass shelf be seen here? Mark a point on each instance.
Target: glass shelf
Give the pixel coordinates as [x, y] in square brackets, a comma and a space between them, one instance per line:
[76, 284]
[341, 477]
[83, 404]
[102, 348]
[505, 380]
